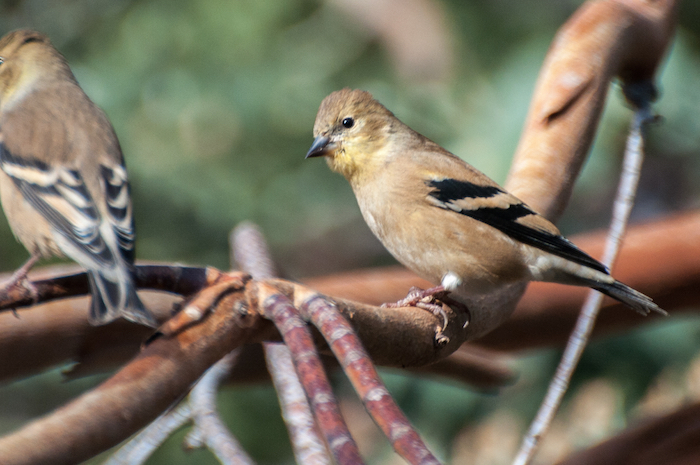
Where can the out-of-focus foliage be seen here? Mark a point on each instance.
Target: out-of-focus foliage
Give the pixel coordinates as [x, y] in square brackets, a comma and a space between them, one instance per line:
[214, 103]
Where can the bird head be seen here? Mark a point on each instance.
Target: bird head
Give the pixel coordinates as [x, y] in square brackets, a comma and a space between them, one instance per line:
[27, 58]
[351, 131]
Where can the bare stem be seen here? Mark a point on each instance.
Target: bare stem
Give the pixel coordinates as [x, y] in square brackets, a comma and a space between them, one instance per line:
[624, 202]
[208, 429]
[251, 253]
[142, 446]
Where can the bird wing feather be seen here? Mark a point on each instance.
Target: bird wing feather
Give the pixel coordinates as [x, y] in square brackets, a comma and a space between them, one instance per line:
[61, 196]
[486, 202]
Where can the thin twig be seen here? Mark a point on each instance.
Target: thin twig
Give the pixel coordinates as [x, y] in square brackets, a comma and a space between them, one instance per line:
[363, 376]
[624, 202]
[142, 446]
[160, 375]
[297, 336]
[200, 409]
[251, 253]
[208, 429]
[176, 279]
[308, 446]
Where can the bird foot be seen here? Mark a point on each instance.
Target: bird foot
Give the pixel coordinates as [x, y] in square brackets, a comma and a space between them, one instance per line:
[19, 283]
[415, 295]
[431, 300]
[19, 287]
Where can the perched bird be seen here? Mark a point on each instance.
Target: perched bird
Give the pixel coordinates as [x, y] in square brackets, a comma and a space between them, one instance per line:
[63, 183]
[442, 218]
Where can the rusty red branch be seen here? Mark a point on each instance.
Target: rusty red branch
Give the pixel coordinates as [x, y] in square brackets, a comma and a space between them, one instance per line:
[159, 376]
[358, 366]
[297, 337]
[602, 40]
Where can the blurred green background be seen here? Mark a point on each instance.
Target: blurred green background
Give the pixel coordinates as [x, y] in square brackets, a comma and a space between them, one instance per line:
[214, 102]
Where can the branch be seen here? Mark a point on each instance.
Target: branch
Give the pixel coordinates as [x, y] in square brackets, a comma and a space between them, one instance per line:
[142, 446]
[250, 251]
[209, 430]
[223, 316]
[181, 280]
[660, 258]
[158, 377]
[297, 337]
[602, 40]
[361, 372]
[579, 338]
[475, 366]
[673, 439]
[200, 408]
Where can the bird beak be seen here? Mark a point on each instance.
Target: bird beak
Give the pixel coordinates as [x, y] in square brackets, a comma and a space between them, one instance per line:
[321, 147]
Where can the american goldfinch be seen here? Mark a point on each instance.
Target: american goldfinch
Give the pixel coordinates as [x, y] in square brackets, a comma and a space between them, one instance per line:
[63, 183]
[442, 218]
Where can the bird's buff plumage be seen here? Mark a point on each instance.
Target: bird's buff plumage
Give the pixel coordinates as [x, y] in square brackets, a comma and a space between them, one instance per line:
[63, 182]
[444, 219]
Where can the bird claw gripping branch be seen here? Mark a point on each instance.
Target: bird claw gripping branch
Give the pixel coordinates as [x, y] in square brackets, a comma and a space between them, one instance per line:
[431, 300]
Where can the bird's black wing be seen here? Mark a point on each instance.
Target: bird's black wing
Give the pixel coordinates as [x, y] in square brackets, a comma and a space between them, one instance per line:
[459, 196]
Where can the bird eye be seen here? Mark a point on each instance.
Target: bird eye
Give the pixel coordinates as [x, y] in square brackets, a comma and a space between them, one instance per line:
[2, 60]
[348, 122]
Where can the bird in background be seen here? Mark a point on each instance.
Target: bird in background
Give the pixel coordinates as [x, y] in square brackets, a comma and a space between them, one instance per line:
[442, 218]
[63, 183]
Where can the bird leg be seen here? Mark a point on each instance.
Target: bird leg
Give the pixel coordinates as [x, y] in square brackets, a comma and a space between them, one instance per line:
[428, 299]
[19, 278]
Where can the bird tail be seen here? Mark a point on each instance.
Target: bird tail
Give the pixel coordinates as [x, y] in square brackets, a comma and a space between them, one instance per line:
[628, 296]
[112, 299]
